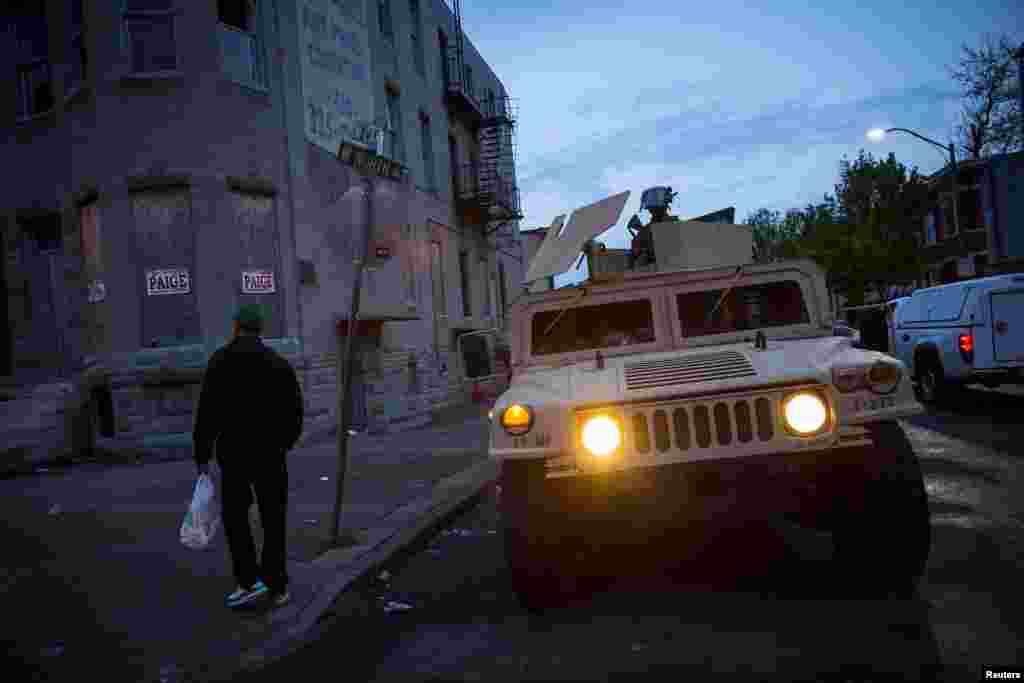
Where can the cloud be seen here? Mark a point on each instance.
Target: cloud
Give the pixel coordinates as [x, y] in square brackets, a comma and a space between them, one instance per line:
[782, 157]
[680, 144]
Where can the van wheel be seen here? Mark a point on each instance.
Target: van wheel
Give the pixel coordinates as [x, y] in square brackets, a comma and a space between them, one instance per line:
[883, 537]
[931, 387]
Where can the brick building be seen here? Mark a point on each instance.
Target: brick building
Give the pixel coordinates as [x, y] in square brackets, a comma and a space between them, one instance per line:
[166, 160]
[990, 209]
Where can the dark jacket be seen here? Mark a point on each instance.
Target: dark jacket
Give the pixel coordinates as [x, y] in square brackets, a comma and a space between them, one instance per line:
[250, 404]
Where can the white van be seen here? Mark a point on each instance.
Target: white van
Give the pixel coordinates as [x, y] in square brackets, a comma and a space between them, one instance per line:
[962, 333]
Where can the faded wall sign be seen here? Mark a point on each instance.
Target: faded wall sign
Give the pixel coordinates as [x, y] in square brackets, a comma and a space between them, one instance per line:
[367, 161]
[336, 88]
[258, 282]
[168, 281]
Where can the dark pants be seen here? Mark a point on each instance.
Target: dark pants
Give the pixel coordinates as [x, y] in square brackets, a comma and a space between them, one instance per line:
[270, 483]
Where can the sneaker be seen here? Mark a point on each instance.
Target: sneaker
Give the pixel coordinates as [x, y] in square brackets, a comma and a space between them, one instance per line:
[282, 599]
[243, 596]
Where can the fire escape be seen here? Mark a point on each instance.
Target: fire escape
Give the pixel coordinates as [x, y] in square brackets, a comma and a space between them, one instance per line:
[485, 189]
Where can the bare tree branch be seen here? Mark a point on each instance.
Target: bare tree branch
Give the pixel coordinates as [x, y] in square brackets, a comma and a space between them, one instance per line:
[990, 111]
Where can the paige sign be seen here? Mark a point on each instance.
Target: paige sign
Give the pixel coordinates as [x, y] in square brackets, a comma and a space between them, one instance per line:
[168, 281]
[258, 282]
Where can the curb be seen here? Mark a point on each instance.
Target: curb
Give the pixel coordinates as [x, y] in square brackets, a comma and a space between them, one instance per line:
[451, 497]
[141, 450]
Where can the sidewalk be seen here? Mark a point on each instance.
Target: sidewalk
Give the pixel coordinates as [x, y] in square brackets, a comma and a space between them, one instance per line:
[101, 542]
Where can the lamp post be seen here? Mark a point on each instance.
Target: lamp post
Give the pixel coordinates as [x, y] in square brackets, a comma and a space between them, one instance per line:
[876, 134]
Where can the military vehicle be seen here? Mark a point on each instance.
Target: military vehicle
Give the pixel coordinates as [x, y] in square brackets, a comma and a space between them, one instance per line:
[682, 391]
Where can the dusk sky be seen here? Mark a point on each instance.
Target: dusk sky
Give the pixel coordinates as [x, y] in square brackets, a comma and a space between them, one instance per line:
[731, 103]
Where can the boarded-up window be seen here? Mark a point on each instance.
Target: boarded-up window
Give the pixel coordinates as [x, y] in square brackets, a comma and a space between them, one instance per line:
[256, 228]
[165, 240]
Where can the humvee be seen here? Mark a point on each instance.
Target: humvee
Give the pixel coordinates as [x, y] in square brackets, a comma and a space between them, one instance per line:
[662, 403]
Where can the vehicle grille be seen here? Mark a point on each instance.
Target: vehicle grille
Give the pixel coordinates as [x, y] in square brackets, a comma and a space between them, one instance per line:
[687, 370]
[702, 425]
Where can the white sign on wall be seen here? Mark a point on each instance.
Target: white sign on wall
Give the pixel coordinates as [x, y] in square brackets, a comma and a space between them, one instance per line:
[258, 282]
[336, 85]
[97, 291]
[168, 281]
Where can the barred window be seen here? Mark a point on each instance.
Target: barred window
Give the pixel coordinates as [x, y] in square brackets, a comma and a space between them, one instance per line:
[416, 36]
[32, 60]
[240, 38]
[149, 35]
[78, 57]
[384, 18]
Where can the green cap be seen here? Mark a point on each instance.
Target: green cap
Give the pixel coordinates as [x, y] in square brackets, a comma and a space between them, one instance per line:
[250, 317]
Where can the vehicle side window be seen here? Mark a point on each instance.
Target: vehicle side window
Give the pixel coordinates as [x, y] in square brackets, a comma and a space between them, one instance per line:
[913, 311]
[949, 304]
[599, 326]
[774, 304]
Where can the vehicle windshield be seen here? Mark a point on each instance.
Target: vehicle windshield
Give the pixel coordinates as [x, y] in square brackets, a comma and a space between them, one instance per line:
[598, 326]
[752, 307]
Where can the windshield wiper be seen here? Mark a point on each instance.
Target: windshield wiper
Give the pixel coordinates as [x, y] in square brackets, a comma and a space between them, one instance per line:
[563, 311]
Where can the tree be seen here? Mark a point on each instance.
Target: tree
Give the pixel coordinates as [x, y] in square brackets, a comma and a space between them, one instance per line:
[990, 115]
[774, 237]
[867, 234]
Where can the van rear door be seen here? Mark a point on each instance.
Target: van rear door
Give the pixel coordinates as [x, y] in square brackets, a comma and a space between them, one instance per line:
[1008, 325]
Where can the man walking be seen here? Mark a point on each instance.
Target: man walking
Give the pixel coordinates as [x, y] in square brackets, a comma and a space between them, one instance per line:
[250, 408]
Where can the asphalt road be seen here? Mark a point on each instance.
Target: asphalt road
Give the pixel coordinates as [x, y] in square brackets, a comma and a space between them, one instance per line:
[446, 613]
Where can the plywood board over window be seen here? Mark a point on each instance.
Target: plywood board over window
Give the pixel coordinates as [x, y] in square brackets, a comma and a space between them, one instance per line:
[165, 241]
[254, 222]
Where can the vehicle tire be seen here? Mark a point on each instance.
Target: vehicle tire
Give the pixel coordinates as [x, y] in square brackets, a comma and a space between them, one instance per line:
[931, 385]
[882, 536]
[531, 537]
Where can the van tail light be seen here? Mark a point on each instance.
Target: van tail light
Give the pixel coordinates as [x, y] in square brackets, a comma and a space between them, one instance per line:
[966, 344]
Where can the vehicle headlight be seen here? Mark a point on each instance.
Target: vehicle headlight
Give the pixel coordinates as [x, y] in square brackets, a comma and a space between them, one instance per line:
[805, 413]
[601, 435]
[881, 377]
[517, 419]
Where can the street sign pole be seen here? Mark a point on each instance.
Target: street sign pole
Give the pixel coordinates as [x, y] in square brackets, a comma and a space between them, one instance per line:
[346, 361]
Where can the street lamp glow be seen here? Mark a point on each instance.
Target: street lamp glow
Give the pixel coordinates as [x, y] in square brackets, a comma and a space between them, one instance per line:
[876, 134]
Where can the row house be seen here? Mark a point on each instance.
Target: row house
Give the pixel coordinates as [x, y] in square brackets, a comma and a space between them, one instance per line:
[988, 235]
[168, 160]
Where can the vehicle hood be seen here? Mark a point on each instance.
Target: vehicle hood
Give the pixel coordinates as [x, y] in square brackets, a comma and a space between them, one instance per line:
[684, 372]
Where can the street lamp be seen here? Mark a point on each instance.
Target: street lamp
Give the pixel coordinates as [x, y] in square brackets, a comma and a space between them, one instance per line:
[877, 134]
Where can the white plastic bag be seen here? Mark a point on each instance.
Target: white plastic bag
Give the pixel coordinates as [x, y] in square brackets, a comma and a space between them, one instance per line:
[203, 517]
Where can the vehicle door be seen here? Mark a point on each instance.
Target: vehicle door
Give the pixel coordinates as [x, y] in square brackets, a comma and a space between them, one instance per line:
[1007, 306]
